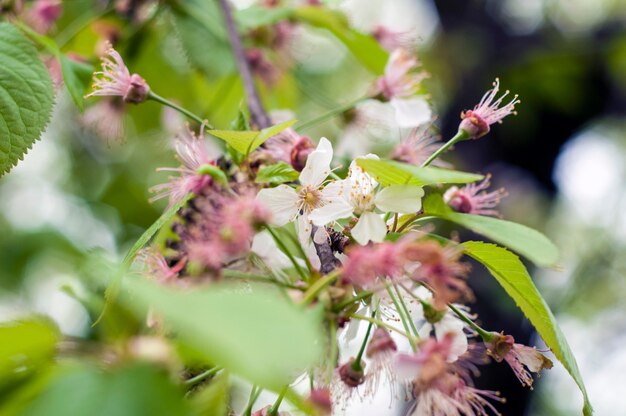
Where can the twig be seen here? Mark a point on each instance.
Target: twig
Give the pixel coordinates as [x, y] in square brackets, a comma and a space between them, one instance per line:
[324, 251]
[257, 112]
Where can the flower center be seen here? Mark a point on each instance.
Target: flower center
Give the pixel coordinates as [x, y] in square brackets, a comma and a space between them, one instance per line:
[310, 198]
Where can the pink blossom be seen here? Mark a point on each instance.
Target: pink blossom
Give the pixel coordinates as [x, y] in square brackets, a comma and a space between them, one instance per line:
[440, 269]
[43, 14]
[261, 67]
[392, 40]
[417, 148]
[322, 400]
[158, 266]
[476, 122]
[522, 359]
[472, 198]
[115, 80]
[106, 119]
[380, 351]
[365, 264]
[402, 76]
[192, 152]
[287, 146]
[223, 228]
[441, 387]
[400, 85]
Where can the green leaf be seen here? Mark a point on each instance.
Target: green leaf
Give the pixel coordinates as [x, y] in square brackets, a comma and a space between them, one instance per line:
[247, 141]
[279, 173]
[524, 240]
[213, 399]
[26, 96]
[25, 346]
[238, 140]
[364, 47]
[510, 272]
[135, 390]
[256, 333]
[389, 172]
[114, 287]
[201, 30]
[77, 77]
[255, 16]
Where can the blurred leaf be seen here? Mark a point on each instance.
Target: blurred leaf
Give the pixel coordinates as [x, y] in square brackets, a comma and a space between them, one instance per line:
[247, 141]
[238, 140]
[389, 172]
[526, 241]
[201, 30]
[76, 76]
[135, 390]
[279, 173]
[255, 332]
[114, 287]
[212, 400]
[26, 96]
[510, 272]
[255, 16]
[364, 47]
[25, 346]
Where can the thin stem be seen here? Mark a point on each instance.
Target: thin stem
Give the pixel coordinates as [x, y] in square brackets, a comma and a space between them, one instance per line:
[460, 136]
[330, 114]
[274, 409]
[485, 335]
[202, 376]
[257, 112]
[155, 97]
[401, 314]
[283, 247]
[254, 394]
[406, 311]
[382, 325]
[317, 287]
[409, 221]
[300, 250]
[356, 364]
[362, 295]
[395, 222]
[332, 337]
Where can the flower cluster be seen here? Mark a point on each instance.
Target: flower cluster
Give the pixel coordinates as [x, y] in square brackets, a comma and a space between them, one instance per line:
[350, 241]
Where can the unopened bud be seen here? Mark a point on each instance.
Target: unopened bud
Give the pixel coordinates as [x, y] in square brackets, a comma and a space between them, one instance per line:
[499, 346]
[137, 91]
[380, 342]
[351, 375]
[322, 400]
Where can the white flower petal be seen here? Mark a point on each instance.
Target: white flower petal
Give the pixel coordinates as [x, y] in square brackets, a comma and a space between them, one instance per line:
[451, 324]
[317, 166]
[411, 112]
[400, 198]
[264, 246]
[370, 227]
[282, 201]
[336, 190]
[304, 229]
[331, 212]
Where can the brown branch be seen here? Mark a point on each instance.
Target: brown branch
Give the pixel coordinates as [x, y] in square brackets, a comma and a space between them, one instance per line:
[325, 252]
[257, 112]
[259, 117]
